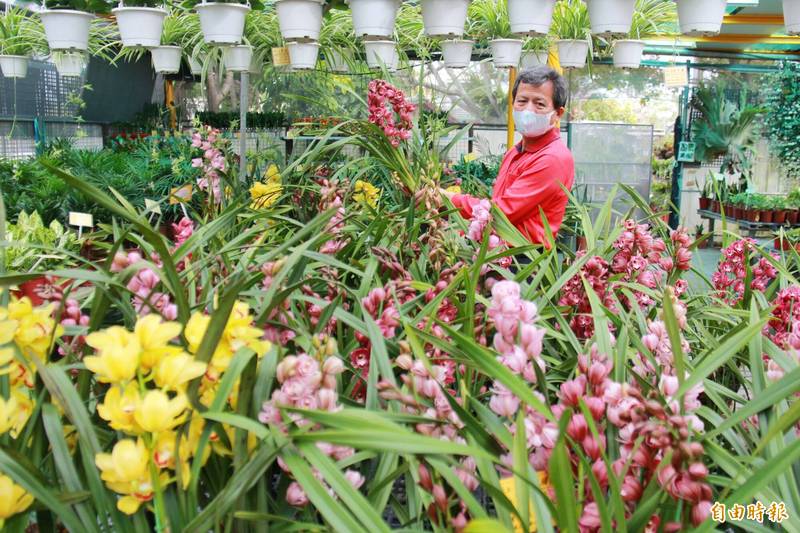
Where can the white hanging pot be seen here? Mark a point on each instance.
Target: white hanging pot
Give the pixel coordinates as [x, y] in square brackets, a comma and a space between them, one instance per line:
[699, 18]
[14, 66]
[66, 29]
[140, 26]
[237, 58]
[791, 16]
[530, 17]
[195, 67]
[300, 19]
[572, 53]
[69, 64]
[381, 54]
[374, 18]
[532, 59]
[506, 52]
[610, 17]
[166, 59]
[444, 17]
[628, 53]
[222, 23]
[336, 61]
[303, 56]
[457, 53]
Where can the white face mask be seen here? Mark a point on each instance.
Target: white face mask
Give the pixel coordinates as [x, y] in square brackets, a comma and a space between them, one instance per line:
[531, 124]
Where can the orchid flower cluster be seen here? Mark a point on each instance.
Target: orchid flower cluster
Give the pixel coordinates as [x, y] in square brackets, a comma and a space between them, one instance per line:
[143, 284]
[307, 384]
[784, 328]
[26, 334]
[425, 394]
[148, 372]
[481, 219]
[211, 163]
[729, 278]
[638, 258]
[384, 100]
[331, 194]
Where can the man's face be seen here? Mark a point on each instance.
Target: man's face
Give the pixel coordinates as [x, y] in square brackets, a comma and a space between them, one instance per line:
[538, 99]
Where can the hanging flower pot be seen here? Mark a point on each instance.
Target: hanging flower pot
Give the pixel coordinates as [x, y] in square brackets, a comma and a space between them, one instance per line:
[572, 53]
[303, 56]
[69, 64]
[237, 58]
[195, 67]
[374, 18]
[140, 26]
[222, 23]
[700, 18]
[791, 16]
[166, 59]
[610, 17]
[532, 58]
[457, 53]
[628, 53]
[381, 54]
[530, 17]
[300, 19]
[14, 66]
[66, 29]
[444, 17]
[336, 61]
[506, 52]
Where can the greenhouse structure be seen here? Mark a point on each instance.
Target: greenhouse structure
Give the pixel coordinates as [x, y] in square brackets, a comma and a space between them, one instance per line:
[399, 265]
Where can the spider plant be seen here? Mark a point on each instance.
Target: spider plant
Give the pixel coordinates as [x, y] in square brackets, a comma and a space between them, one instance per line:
[571, 21]
[488, 19]
[409, 31]
[21, 34]
[88, 6]
[652, 17]
[337, 36]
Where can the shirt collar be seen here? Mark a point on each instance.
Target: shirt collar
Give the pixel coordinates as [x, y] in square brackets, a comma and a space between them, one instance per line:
[541, 141]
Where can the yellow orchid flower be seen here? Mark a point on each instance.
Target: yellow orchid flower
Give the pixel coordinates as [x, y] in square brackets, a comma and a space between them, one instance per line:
[35, 328]
[8, 328]
[6, 356]
[366, 193]
[156, 412]
[118, 354]
[175, 370]
[8, 409]
[264, 195]
[154, 336]
[164, 449]
[15, 412]
[13, 499]
[126, 470]
[195, 330]
[119, 406]
[272, 174]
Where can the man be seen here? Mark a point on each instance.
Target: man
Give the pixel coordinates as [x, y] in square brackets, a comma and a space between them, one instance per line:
[534, 170]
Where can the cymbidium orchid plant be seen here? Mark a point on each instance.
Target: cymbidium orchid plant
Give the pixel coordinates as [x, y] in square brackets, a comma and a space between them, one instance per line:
[332, 349]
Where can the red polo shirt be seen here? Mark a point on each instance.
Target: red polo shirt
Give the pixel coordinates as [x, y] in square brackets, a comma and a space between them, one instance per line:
[528, 180]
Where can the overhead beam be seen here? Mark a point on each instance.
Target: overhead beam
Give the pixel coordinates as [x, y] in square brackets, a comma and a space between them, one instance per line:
[753, 20]
[732, 38]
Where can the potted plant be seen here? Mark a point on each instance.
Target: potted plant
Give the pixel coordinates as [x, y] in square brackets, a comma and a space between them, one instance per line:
[700, 18]
[779, 209]
[444, 18]
[572, 28]
[66, 22]
[791, 17]
[179, 31]
[381, 54]
[698, 234]
[69, 64]
[610, 17]
[374, 18]
[456, 53]
[764, 205]
[651, 17]
[535, 52]
[222, 22]
[140, 22]
[337, 39]
[705, 195]
[300, 19]
[489, 22]
[21, 36]
[303, 56]
[530, 17]
[793, 201]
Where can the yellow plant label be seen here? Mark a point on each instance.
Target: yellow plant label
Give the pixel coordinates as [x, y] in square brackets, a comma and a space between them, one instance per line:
[280, 56]
[82, 220]
[509, 488]
[676, 77]
[180, 195]
[470, 157]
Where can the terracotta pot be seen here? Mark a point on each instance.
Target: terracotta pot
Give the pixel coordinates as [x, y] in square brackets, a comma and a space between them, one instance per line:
[765, 216]
[715, 206]
[705, 203]
[752, 215]
[792, 216]
[737, 213]
[779, 216]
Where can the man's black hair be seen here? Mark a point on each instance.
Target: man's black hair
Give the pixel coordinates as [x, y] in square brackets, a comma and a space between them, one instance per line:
[540, 75]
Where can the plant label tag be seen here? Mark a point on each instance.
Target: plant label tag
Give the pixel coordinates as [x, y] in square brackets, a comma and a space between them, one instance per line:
[82, 220]
[179, 195]
[153, 133]
[151, 206]
[676, 77]
[280, 56]
[686, 152]
[470, 157]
